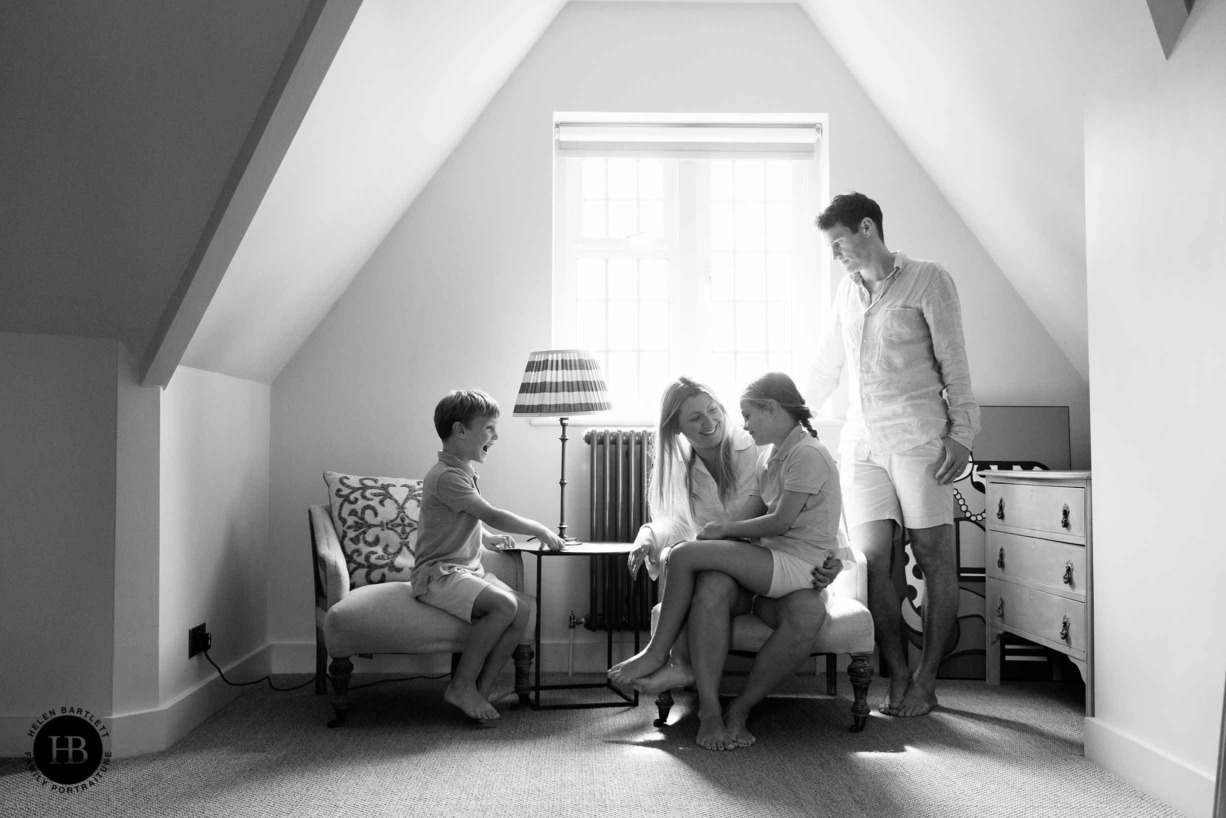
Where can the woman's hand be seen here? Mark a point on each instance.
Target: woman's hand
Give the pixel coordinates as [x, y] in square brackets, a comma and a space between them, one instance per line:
[712, 531]
[825, 573]
[644, 550]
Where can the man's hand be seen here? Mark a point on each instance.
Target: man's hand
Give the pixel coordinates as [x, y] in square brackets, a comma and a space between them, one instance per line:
[825, 573]
[953, 461]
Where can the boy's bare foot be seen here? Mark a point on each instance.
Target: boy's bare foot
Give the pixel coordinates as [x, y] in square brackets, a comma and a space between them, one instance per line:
[471, 702]
[712, 735]
[668, 677]
[734, 723]
[898, 691]
[920, 699]
[636, 667]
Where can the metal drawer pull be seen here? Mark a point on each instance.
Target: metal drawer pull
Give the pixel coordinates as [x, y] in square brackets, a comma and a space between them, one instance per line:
[1064, 626]
[1000, 609]
[1064, 523]
[1000, 509]
[1000, 559]
[1068, 573]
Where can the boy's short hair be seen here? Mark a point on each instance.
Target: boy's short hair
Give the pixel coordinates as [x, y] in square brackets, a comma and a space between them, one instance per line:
[465, 406]
[850, 210]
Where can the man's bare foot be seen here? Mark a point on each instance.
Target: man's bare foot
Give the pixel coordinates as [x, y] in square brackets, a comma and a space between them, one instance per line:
[636, 667]
[734, 722]
[920, 699]
[712, 735]
[668, 677]
[898, 691]
[470, 701]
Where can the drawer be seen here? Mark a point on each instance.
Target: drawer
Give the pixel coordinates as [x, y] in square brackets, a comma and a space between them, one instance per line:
[1037, 614]
[1054, 509]
[1057, 567]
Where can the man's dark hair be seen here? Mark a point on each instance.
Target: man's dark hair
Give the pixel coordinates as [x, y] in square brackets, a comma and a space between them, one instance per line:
[465, 406]
[849, 210]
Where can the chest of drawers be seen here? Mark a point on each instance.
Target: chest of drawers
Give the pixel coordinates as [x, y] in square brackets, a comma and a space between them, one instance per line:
[1039, 562]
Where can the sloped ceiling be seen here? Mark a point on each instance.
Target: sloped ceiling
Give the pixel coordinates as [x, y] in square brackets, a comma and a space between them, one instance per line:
[123, 120]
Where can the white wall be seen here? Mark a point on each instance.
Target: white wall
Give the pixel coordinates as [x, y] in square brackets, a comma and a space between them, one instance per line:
[57, 467]
[214, 565]
[1156, 214]
[459, 293]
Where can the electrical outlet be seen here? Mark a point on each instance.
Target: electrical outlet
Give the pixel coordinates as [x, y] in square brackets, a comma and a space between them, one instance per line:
[198, 640]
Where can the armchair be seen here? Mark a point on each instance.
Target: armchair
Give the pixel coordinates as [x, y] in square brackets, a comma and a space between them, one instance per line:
[385, 617]
[848, 629]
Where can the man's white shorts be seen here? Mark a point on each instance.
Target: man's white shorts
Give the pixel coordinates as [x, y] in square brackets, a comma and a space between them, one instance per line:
[901, 487]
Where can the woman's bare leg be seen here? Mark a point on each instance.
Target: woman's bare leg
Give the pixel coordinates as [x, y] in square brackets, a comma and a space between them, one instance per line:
[750, 565]
[717, 598]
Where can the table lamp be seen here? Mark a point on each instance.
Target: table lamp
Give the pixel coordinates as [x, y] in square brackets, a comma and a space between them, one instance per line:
[561, 383]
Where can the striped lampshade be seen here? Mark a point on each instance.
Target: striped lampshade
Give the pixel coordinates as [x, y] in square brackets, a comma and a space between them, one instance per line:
[561, 383]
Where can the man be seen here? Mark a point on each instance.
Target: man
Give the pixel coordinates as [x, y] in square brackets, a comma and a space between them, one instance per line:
[911, 421]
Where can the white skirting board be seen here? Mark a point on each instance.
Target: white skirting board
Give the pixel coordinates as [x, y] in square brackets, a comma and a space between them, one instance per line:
[1169, 780]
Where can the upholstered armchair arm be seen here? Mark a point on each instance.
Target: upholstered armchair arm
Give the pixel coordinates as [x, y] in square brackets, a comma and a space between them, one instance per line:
[508, 566]
[330, 564]
[852, 582]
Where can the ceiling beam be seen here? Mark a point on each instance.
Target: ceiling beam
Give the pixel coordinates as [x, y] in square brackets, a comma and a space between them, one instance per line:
[302, 71]
[1169, 17]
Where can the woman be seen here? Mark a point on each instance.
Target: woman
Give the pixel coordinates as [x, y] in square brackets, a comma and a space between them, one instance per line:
[705, 470]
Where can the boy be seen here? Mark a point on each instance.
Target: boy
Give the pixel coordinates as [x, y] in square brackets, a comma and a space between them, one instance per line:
[447, 573]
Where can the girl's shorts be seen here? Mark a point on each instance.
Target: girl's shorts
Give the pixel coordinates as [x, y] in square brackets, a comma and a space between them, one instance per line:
[788, 573]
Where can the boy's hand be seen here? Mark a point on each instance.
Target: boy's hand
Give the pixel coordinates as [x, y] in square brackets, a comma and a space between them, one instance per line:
[825, 573]
[550, 540]
[498, 542]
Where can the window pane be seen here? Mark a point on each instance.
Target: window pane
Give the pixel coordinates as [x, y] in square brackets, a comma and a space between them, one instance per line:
[779, 361]
[720, 328]
[653, 375]
[623, 325]
[722, 278]
[651, 179]
[593, 178]
[622, 374]
[593, 220]
[750, 276]
[590, 324]
[589, 278]
[653, 279]
[779, 181]
[779, 226]
[623, 179]
[750, 226]
[779, 330]
[651, 216]
[623, 219]
[721, 181]
[750, 365]
[653, 325]
[751, 327]
[722, 225]
[779, 276]
[750, 180]
[623, 278]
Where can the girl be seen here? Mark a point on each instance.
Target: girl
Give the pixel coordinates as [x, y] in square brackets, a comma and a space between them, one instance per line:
[787, 526]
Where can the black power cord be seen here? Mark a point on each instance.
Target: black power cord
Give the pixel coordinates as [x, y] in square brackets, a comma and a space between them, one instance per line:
[221, 674]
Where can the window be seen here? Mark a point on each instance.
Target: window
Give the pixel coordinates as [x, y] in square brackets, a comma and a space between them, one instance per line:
[688, 250]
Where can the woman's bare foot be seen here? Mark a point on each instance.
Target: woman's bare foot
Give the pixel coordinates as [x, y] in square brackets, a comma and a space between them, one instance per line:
[712, 735]
[734, 722]
[470, 701]
[673, 674]
[642, 664]
[920, 699]
[898, 691]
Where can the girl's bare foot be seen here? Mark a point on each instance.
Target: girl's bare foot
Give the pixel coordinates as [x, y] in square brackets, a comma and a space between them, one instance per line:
[668, 677]
[470, 701]
[734, 723]
[642, 664]
[919, 700]
[712, 735]
[898, 691]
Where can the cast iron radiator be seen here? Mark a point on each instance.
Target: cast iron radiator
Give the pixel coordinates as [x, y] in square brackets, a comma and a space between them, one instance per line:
[620, 467]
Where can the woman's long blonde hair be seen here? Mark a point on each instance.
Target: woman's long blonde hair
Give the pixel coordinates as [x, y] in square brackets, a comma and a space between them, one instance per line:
[670, 491]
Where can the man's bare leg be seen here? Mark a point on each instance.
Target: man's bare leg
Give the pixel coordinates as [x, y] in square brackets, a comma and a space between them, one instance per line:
[876, 541]
[934, 553]
[796, 619]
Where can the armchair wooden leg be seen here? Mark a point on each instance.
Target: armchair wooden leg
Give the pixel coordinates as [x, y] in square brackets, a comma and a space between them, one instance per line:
[664, 703]
[522, 656]
[321, 663]
[832, 675]
[339, 672]
[860, 671]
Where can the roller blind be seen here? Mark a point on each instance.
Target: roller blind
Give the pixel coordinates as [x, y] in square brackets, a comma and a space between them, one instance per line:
[797, 140]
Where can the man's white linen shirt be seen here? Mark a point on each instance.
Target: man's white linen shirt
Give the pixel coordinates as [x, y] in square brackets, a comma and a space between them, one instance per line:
[910, 382]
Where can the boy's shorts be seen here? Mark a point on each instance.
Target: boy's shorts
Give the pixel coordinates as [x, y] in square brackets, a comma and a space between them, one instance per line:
[901, 487]
[456, 592]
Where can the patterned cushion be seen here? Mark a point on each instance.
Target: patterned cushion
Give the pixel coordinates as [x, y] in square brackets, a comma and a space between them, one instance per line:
[376, 521]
